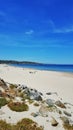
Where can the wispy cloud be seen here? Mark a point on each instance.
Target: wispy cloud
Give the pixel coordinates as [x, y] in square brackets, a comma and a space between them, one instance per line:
[54, 29]
[30, 32]
[64, 30]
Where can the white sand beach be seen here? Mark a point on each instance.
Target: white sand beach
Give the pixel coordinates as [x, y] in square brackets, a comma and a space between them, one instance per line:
[44, 81]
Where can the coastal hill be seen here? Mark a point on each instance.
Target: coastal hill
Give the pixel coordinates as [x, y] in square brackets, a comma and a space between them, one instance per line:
[17, 62]
[31, 62]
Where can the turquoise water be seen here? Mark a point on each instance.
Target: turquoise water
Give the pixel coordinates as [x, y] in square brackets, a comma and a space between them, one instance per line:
[49, 67]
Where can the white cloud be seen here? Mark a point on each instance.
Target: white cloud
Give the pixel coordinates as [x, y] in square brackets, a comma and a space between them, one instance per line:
[63, 30]
[30, 32]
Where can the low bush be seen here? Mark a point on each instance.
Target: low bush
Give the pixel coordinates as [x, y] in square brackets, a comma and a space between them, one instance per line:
[18, 107]
[27, 124]
[24, 124]
[3, 102]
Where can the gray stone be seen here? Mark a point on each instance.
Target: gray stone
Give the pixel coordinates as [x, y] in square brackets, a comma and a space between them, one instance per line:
[67, 113]
[49, 93]
[50, 102]
[34, 114]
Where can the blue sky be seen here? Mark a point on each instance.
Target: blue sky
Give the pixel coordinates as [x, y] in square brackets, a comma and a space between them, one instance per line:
[37, 30]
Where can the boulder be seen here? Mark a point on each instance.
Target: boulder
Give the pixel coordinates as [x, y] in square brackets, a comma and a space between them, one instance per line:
[34, 114]
[54, 122]
[50, 102]
[35, 95]
[60, 104]
[43, 111]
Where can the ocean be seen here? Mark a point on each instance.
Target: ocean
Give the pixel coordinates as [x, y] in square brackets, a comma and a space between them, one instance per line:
[48, 67]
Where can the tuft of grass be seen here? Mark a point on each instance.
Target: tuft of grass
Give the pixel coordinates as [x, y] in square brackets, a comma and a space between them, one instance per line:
[24, 124]
[30, 101]
[5, 126]
[36, 104]
[21, 94]
[18, 107]
[12, 86]
[3, 102]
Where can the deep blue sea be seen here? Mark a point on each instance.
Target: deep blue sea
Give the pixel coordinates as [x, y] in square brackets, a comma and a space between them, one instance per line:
[49, 67]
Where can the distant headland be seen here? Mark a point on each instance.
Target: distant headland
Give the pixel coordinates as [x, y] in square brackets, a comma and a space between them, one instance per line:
[17, 62]
[31, 62]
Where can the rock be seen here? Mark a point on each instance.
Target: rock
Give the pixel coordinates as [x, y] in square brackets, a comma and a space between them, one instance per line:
[60, 104]
[34, 114]
[35, 95]
[59, 111]
[3, 84]
[66, 113]
[65, 120]
[54, 122]
[41, 93]
[50, 102]
[49, 93]
[38, 98]
[43, 111]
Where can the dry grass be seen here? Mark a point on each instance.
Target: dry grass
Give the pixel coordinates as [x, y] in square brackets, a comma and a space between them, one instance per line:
[36, 104]
[68, 127]
[12, 86]
[24, 124]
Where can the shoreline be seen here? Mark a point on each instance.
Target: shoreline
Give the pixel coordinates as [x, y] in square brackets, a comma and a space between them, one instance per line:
[41, 69]
[36, 69]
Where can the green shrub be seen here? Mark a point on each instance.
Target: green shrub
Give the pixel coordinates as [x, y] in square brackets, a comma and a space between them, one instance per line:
[18, 107]
[3, 102]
